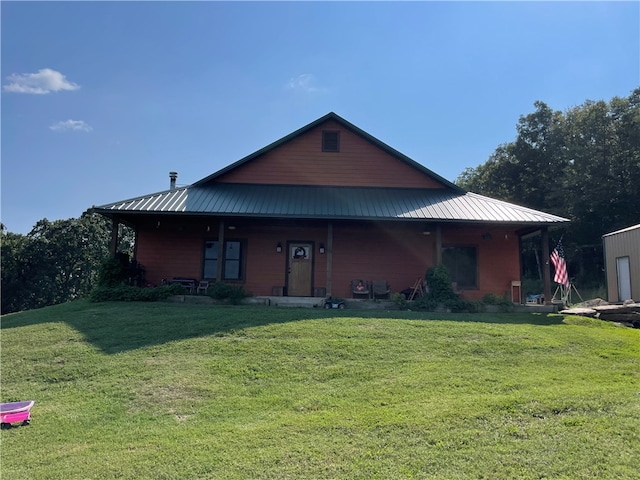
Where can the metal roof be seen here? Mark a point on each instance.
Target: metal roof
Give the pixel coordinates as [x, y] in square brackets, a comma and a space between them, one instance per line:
[628, 229]
[327, 202]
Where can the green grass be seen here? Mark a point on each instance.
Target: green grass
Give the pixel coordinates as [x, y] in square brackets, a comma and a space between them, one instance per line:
[174, 391]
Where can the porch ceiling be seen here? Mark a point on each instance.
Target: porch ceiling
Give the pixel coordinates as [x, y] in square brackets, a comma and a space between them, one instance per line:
[325, 202]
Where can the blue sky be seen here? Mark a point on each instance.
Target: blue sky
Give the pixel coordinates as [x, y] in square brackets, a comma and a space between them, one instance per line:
[101, 100]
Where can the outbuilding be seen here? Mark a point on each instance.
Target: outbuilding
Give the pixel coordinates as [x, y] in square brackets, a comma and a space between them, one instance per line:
[622, 263]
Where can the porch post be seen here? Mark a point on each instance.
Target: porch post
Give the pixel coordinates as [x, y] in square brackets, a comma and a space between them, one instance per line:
[220, 251]
[113, 245]
[546, 270]
[438, 245]
[329, 259]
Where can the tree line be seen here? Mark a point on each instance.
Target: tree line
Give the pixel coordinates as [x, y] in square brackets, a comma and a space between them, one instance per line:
[582, 164]
[56, 261]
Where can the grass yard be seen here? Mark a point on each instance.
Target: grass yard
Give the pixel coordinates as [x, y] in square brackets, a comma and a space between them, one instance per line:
[174, 391]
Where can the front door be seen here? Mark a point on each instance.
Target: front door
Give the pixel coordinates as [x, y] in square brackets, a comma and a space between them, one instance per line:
[300, 269]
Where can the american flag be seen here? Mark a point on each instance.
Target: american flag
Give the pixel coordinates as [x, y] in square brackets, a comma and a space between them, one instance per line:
[560, 265]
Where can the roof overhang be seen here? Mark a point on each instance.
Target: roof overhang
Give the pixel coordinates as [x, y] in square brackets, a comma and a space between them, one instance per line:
[326, 202]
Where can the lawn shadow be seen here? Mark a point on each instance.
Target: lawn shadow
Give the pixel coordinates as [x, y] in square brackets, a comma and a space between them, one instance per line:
[115, 327]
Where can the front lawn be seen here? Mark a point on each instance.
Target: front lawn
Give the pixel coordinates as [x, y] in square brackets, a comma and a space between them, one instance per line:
[175, 391]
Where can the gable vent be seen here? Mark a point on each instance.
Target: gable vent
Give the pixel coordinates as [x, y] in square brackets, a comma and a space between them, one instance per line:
[330, 141]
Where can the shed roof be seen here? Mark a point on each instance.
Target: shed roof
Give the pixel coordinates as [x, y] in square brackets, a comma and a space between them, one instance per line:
[324, 202]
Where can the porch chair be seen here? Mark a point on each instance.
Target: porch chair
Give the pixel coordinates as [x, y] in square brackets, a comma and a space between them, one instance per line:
[203, 286]
[360, 288]
[381, 289]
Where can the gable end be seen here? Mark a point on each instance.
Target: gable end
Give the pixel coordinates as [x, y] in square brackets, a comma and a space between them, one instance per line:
[398, 169]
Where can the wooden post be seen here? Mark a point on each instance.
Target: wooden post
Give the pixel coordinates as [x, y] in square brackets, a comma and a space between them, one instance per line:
[219, 270]
[546, 270]
[329, 259]
[438, 245]
[113, 246]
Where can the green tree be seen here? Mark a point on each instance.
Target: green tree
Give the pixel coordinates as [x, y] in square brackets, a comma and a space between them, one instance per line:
[540, 155]
[12, 271]
[55, 262]
[583, 164]
[497, 177]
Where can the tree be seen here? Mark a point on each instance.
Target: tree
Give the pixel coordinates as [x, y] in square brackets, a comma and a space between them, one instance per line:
[540, 155]
[12, 271]
[583, 164]
[55, 262]
[496, 177]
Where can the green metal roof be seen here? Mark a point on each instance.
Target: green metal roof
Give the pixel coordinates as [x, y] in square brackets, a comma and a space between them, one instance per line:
[210, 197]
[324, 202]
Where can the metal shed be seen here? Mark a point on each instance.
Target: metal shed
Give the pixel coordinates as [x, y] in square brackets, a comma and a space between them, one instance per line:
[622, 263]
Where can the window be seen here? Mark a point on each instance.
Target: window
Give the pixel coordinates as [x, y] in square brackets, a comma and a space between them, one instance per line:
[462, 263]
[330, 141]
[232, 268]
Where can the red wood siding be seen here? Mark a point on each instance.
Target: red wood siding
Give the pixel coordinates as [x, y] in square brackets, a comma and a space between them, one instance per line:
[301, 161]
[498, 257]
[398, 253]
[169, 254]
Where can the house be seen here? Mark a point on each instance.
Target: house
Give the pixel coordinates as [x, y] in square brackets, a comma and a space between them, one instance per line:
[324, 205]
[622, 264]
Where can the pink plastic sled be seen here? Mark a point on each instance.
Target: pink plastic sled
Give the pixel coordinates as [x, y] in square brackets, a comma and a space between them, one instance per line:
[15, 412]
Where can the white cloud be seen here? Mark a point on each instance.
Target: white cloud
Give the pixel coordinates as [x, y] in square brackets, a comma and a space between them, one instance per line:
[71, 125]
[41, 83]
[304, 83]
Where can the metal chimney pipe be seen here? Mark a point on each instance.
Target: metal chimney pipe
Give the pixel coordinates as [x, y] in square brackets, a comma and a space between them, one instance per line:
[173, 176]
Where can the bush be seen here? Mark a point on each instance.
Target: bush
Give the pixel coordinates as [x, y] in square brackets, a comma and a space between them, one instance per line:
[425, 303]
[441, 294]
[439, 283]
[111, 273]
[128, 293]
[225, 292]
[493, 299]
[399, 299]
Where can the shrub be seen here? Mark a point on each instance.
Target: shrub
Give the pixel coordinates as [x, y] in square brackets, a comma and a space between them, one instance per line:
[441, 294]
[111, 273]
[458, 304]
[399, 299]
[225, 292]
[128, 293]
[425, 303]
[439, 283]
[493, 299]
